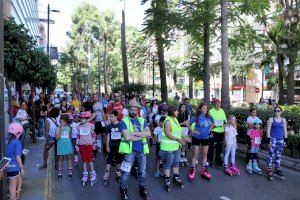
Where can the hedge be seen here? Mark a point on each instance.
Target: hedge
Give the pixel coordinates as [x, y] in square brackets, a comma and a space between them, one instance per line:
[293, 121]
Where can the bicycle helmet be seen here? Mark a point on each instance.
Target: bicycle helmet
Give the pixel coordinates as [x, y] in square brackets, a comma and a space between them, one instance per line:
[15, 129]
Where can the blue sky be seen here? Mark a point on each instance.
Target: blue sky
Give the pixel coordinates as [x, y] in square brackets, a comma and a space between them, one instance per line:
[134, 15]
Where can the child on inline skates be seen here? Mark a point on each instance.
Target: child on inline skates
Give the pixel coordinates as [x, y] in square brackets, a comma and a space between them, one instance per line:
[113, 139]
[74, 127]
[63, 136]
[14, 151]
[255, 135]
[231, 145]
[86, 140]
[157, 137]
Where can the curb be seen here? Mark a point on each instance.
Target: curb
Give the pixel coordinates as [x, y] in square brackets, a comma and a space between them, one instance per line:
[48, 191]
[286, 162]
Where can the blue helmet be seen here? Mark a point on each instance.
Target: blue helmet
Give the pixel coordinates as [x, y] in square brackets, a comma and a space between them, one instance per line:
[257, 121]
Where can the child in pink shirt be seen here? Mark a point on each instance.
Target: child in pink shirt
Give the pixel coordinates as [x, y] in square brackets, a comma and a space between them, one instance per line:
[256, 135]
[85, 142]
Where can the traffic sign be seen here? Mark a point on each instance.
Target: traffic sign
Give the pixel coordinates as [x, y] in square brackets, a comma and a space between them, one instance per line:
[257, 90]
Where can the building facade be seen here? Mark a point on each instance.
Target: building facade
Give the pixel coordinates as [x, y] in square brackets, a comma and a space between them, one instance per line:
[24, 12]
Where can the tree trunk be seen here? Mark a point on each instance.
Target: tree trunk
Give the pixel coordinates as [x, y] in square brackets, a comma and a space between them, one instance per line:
[162, 69]
[191, 87]
[33, 88]
[280, 59]
[124, 54]
[9, 97]
[88, 89]
[104, 65]
[79, 78]
[291, 81]
[99, 70]
[206, 83]
[225, 69]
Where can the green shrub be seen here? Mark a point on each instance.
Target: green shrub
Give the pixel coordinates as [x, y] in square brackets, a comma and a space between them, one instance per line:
[133, 88]
[294, 145]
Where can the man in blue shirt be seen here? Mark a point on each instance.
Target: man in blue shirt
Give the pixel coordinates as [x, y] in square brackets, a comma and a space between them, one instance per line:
[134, 145]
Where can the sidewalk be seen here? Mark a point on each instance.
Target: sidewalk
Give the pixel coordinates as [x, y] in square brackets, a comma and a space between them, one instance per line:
[286, 162]
[37, 183]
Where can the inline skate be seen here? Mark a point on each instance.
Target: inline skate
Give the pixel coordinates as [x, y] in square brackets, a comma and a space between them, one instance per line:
[177, 182]
[235, 170]
[278, 174]
[123, 193]
[70, 174]
[143, 192]
[255, 167]
[84, 178]
[93, 178]
[192, 174]
[59, 174]
[106, 178]
[167, 183]
[205, 174]
[270, 174]
[228, 171]
[249, 167]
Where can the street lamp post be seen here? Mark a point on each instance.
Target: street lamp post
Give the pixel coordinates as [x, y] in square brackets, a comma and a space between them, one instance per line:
[48, 27]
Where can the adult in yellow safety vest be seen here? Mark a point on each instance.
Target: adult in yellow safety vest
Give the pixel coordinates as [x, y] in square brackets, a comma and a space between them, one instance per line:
[217, 133]
[170, 147]
[134, 146]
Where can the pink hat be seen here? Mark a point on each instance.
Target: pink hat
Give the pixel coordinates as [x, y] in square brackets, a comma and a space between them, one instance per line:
[15, 129]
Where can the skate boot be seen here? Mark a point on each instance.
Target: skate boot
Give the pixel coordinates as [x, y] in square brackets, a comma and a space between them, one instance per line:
[177, 182]
[205, 174]
[270, 174]
[143, 192]
[70, 174]
[84, 178]
[106, 178]
[93, 178]
[228, 170]
[249, 168]
[192, 174]
[123, 193]
[235, 170]
[59, 174]
[255, 167]
[278, 174]
[118, 175]
[167, 183]
[76, 160]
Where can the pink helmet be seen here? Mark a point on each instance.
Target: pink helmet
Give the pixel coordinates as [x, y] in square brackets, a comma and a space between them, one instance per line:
[85, 115]
[15, 129]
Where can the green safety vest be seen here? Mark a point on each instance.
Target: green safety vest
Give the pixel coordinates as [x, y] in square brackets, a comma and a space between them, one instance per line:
[176, 131]
[218, 115]
[126, 146]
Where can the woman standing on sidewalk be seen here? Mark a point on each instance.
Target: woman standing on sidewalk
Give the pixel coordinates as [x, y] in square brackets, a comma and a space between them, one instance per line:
[276, 137]
[50, 127]
[23, 117]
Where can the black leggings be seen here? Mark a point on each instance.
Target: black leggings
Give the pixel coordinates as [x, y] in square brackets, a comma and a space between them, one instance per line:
[215, 142]
[114, 154]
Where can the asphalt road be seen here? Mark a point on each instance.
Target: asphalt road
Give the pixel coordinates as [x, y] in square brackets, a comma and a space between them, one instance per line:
[245, 186]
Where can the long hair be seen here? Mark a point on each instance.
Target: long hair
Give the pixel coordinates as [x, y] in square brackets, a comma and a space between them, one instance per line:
[198, 113]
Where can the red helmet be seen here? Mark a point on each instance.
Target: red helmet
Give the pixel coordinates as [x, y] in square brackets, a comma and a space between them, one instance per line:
[85, 115]
[15, 129]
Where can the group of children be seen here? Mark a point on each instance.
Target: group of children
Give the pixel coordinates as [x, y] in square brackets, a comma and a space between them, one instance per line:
[76, 135]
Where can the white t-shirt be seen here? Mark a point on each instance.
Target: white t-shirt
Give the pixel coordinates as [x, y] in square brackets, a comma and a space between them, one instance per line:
[230, 134]
[250, 120]
[74, 127]
[98, 110]
[158, 132]
[22, 114]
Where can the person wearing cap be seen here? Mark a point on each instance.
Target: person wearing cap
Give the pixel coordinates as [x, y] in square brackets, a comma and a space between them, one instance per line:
[217, 133]
[134, 146]
[162, 112]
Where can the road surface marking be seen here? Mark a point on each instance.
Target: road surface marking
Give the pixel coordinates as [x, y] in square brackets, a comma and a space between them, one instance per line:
[224, 198]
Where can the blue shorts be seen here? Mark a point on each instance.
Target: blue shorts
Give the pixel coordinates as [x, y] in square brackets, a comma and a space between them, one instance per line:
[12, 174]
[171, 159]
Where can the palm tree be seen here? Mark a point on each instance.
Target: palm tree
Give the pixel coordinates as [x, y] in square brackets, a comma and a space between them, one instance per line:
[225, 69]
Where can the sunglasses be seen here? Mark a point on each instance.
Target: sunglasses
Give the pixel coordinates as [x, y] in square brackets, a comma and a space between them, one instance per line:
[278, 111]
[84, 118]
[117, 96]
